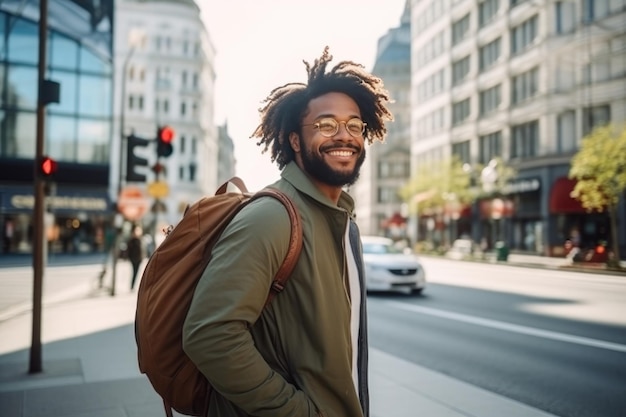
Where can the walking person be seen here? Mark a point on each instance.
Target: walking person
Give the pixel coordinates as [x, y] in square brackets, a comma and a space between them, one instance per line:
[305, 354]
[135, 253]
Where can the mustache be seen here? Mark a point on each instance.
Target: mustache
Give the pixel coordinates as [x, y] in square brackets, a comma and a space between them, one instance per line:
[355, 148]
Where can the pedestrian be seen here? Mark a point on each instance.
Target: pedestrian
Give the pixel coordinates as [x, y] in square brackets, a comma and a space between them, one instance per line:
[135, 252]
[305, 354]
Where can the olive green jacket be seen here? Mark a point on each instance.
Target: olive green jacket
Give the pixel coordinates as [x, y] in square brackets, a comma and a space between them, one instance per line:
[293, 358]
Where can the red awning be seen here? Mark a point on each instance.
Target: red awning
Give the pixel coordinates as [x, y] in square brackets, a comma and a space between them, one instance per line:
[561, 202]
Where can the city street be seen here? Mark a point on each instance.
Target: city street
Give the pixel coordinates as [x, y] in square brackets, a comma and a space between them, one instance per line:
[484, 340]
[552, 339]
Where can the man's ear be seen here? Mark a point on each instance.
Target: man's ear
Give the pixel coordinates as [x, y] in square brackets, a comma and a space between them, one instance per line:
[294, 141]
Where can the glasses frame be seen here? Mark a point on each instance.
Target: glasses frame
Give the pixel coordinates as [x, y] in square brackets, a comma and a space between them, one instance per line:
[337, 124]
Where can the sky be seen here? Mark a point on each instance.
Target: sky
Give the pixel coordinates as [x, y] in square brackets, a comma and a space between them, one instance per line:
[260, 45]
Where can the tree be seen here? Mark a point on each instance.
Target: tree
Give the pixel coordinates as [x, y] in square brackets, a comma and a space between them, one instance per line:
[600, 170]
[437, 183]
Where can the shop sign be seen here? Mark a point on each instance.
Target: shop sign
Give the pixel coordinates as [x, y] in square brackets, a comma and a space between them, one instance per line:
[60, 202]
[523, 185]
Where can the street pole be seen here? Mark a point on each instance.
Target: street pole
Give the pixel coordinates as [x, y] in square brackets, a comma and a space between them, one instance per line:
[35, 362]
[118, 228]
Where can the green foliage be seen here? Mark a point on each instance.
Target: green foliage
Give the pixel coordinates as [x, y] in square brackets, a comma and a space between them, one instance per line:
[436, 184]
[600, 168]
[450, 181]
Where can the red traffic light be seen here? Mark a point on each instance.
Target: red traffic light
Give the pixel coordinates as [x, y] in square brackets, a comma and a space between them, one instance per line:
[48, 166]
[166, 134]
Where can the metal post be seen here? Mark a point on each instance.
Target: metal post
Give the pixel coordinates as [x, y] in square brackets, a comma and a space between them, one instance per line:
[118, 235]
[35, 362]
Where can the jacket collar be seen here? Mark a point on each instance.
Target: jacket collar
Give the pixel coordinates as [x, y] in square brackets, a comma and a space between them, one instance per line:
[297, 178]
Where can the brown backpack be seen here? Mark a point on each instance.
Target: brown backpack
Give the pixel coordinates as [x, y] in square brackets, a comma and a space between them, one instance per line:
[168, 284]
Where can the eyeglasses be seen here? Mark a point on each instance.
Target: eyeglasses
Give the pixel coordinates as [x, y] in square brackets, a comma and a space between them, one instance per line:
[329, 127]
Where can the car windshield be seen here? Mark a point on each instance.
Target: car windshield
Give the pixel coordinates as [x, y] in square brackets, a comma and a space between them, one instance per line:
[379, 248]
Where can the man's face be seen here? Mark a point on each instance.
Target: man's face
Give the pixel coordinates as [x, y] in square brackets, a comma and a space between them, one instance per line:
[334, 160]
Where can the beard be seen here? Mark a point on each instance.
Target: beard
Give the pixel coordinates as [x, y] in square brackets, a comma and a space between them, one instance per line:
[316, 166]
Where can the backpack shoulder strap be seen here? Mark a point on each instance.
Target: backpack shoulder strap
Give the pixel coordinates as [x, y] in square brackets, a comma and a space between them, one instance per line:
[295, 241]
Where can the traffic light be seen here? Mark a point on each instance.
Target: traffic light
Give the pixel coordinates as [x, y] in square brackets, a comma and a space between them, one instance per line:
[133, 161]
[47, 167]
[165, 136]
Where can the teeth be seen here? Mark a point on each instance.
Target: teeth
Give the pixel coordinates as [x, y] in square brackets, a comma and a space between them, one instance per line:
[340, 153]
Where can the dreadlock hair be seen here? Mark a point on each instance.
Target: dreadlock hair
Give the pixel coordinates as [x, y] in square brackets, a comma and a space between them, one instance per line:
[286, 106]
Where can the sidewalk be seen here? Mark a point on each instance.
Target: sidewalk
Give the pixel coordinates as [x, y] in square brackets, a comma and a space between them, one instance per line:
[90, 367]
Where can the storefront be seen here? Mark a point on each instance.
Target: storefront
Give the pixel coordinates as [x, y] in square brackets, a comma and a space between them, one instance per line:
[585, 230]
[76, 220]
[527, 225]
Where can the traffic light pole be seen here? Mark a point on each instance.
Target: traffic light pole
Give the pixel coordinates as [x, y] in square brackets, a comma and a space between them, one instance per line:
[118, 229]
[35, 362]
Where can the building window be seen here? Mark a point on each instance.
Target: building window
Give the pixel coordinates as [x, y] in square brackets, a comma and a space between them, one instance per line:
[462, 151]
[594, 117]
[23, 42]
[566, 131]
[184, 79]
[525, 140]
[565, 16]
[490, 99]
[523, 35]
[183, 143]
[598, 70]
[595, 9]
[431, 50]
[490, 147]
[489, 54]
[460, 111]
[460, 69]
[460, 28]
[140, 102]
[183, 108]
[487, 10]
[431, 86]
[387, 195]
[525, 85]
[393, 169]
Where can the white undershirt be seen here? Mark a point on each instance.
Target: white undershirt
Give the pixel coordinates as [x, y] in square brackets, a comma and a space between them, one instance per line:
[355, 305]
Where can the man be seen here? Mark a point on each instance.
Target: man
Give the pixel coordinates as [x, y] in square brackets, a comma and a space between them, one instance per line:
[306, 353]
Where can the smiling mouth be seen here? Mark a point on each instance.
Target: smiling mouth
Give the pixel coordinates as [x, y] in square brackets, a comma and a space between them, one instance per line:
[341, 153]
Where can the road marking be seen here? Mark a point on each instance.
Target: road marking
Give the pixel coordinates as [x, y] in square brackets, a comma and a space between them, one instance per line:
[515, 328]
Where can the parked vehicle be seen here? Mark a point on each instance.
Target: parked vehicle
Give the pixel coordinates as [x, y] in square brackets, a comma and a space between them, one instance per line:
[461, 249]
[390, 268]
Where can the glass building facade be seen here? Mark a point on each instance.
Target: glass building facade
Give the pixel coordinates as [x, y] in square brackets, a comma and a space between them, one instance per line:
[78, 129]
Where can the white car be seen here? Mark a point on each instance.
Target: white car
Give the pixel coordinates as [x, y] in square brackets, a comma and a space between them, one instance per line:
[389, 268]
